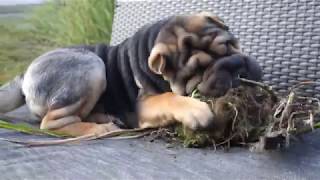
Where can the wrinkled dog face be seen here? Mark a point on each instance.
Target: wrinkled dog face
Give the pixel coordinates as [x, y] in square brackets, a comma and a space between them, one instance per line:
[186, 46]
[225, 73]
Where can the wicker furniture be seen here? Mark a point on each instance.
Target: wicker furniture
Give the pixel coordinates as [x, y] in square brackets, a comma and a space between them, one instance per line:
[283, 35]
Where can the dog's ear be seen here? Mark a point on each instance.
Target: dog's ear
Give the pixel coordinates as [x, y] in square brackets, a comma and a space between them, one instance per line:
[165, 44]
[156, 60]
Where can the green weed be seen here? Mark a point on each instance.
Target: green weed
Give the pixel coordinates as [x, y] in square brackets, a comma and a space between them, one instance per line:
[69, 22]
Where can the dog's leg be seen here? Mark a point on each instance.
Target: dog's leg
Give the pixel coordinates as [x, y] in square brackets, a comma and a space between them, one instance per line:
[168, 108]
[83, 128]
[71, 119]
[67, 122]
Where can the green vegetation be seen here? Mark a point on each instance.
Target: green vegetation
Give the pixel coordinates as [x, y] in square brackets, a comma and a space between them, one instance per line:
[18, 46]
[68, 22]
[25, 128]
[28, 31]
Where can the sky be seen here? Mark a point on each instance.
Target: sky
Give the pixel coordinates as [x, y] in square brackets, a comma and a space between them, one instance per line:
[13, 2]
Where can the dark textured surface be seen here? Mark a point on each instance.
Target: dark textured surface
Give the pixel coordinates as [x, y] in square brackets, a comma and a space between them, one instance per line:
[283, 35]
[140, 159]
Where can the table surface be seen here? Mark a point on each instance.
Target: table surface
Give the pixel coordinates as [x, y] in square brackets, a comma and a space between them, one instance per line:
[141, 159]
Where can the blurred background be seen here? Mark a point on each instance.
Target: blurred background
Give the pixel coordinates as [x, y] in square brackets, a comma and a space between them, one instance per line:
[28, 28]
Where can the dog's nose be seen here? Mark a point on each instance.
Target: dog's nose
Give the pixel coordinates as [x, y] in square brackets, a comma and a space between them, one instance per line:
[211, 92]
[202, 88]
[254, 71]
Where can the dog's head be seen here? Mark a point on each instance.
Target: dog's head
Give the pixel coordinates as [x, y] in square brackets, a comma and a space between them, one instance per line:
[186, 46]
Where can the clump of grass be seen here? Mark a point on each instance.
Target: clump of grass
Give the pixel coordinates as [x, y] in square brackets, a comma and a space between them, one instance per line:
[69, 22]
[240, 116]
[255, 117]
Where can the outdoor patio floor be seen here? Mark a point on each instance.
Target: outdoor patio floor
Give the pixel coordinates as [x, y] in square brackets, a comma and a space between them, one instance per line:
[140, 159]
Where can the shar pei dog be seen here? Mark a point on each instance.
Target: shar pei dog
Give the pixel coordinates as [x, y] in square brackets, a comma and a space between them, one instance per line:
[142, 82]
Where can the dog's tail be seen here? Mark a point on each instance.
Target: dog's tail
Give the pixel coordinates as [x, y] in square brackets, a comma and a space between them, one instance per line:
[11, 96]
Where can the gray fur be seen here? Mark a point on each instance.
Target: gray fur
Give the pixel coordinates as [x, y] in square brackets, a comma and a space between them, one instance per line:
[61, 77]
[11, 96]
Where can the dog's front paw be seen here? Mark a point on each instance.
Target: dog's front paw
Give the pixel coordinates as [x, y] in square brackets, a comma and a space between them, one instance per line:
[193, 113]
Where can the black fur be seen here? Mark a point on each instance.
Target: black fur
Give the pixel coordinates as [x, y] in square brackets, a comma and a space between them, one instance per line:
[123, 62]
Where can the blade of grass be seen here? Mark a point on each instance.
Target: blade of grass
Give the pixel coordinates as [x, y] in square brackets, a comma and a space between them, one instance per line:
[317, 125]
[68, 22]
[28, 129]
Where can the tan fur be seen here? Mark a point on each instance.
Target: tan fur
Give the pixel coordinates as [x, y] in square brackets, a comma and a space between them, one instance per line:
[73, 125]
[61, 117]
[69, 120]
[195, 23]
[183, 33]
[183, 37]
[85, 128]
[156, 60]
[218, 45]
[199, 58]
[214, 18]
[168, 108]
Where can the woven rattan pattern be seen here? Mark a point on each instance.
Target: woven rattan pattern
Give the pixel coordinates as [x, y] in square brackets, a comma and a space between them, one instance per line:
[284, 35]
